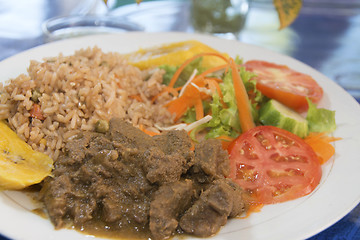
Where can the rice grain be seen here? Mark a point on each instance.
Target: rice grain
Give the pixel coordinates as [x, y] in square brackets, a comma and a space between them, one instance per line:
[77, 91]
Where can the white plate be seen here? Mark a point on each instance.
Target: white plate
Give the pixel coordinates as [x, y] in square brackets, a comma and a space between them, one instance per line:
[337, 194]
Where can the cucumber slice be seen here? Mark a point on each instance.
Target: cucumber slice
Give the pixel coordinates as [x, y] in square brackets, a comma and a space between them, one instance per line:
[276, 114]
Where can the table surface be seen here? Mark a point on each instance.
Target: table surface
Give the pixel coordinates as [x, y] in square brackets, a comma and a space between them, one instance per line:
[325, 36]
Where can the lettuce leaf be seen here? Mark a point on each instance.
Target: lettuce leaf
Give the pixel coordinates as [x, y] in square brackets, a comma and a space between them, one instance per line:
[320, 119]
[225, 120]
[185, 74]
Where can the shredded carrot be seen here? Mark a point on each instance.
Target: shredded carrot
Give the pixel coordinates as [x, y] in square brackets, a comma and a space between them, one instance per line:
[150, 133]
[225, 138]
[217, 80]
[225, 141]
[211, 70]
[187, 62]
[215, 87]
[192, 147]
[173, 91]
[178, 89]
[136, 97]
[190, 98]
[199, 110]
[320, 143]
[156, 96]
[242, 99]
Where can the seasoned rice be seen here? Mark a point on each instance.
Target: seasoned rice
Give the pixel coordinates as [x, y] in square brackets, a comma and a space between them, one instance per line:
[77, 91]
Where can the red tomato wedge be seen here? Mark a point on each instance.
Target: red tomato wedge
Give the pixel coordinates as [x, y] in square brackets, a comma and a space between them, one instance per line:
[273, 165]
[285, 85]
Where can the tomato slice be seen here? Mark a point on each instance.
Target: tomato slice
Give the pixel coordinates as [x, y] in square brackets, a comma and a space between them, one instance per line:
[273, 165]
[285, 85]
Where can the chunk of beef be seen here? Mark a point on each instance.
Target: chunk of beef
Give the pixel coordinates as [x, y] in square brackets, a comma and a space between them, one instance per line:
[169, 202]
[122, 189]
[127, 180]
[127, 136]
[161, 168]
[210, 212]
[169, 158]
[211, 161]
[82, 210]
[164, 158]
[85, 143]
[105, 186]
[56, 194]
[61, 192]
[239, 206]
[128, 213]
[176, 142]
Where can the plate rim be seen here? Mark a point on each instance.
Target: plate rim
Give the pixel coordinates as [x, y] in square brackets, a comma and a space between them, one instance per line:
[37, 52]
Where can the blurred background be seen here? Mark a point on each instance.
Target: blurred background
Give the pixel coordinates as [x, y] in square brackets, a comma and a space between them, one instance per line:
[325, 36]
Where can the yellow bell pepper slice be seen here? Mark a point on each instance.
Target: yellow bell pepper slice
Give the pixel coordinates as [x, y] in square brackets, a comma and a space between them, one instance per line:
[173, 54]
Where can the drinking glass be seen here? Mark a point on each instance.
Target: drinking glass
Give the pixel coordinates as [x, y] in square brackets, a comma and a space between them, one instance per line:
[96, 21]
[224, 18]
